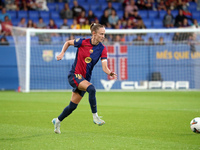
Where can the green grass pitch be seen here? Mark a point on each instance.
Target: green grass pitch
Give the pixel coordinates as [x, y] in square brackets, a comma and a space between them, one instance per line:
[134, 121]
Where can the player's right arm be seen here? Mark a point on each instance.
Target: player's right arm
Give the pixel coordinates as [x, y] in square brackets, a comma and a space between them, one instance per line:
[64, 49]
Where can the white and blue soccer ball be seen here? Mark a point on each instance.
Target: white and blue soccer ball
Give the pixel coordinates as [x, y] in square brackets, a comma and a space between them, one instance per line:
[195, 125]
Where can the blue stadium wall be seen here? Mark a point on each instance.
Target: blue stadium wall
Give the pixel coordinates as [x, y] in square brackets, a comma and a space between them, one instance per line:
[174, 62]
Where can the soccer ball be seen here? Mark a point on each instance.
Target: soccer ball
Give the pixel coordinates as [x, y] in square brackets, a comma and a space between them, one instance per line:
[195, 125]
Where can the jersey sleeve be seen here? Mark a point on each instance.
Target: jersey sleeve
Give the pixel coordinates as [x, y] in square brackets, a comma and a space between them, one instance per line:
[78, 42]
[104, 53]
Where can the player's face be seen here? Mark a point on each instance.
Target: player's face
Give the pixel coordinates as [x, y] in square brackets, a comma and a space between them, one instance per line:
[100, 34]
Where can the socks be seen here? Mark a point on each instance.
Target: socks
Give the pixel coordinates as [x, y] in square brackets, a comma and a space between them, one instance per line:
[67, 111]
[95, 115]
[92, 99]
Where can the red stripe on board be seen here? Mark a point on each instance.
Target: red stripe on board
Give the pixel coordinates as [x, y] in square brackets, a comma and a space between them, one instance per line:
[123, 69]
[111, 66]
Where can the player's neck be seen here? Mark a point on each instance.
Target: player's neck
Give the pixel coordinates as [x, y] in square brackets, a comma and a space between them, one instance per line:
[94, 42]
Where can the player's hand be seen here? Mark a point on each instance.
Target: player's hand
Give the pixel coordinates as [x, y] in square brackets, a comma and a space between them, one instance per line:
[60, 56]
[113, 74]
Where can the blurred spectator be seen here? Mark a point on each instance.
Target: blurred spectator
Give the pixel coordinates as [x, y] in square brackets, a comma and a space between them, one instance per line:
[161, 41]
[0, 27]
[91, 17]
[3, 41]
[185, 23]
[11, 5]
[3, 14]
[30, 24]
[161, 6]
[119, 25]
[138, 40]
[168, 20]
[21, 4]
[140, 24]
[86, 25]
[51, 24]
[104, 18]
[75, 25]
[198, 5]
[108, 26]
[179, 19]
[71, 37]
[195, 24]
[125, 16]
[192, 43]
[140, 4]
[31, 5]
[6, 31]
[22, 23]
[113, 18]
[125, 2]
[135, 17]
[77, 9]
[150, 41]
[2, 4]
[149, 5]
[129, 24]
[119, 39]
[44, 38]
[109, 8]
[82, 18]
[131, 7]
[42, 5]
[96, 21]
[106, 42]
[65, 25]
[41, 23]
[66, 12]
[180, 37]
[171, 4]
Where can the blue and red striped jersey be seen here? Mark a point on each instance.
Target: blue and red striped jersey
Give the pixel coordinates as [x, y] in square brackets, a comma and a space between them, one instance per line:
[87, 56]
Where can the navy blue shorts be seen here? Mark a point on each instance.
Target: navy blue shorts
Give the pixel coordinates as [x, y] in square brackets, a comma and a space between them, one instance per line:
[74, 80]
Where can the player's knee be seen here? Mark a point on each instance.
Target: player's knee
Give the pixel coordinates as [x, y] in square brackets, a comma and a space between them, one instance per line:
[91, 89]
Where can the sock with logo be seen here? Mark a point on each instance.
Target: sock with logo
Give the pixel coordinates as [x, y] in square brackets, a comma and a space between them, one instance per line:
[92, 98]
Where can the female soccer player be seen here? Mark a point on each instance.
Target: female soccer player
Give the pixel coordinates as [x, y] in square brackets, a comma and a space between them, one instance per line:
[88, 53]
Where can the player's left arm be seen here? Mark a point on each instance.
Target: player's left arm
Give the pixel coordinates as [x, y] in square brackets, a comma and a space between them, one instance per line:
[107, 70]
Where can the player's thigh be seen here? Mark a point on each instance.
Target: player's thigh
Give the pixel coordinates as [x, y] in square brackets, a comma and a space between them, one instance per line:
[83, 85]
[76, 97]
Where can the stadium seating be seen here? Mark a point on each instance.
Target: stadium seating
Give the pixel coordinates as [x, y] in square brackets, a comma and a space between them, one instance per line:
[44, 14]
[22, 14]
[12, 14]
[143, 13]
[153, 14]
[192, 6]
[196, 14]
[157, 23]
[148, 23]
[33, 15]
[52, 6]
[55, 15]
[162, 13]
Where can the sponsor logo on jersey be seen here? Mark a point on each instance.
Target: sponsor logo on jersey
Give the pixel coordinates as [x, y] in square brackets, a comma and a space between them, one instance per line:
[88, 59]
[47, 55]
